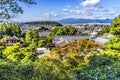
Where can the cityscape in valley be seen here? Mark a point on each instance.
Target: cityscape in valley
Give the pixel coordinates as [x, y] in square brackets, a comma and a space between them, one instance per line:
[59, 40]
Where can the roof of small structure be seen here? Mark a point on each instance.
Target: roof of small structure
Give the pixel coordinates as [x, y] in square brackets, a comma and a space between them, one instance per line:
[68, 38]
[62, 43]
[14, 38]
[108, 36]
[94, 33]
[100, 40]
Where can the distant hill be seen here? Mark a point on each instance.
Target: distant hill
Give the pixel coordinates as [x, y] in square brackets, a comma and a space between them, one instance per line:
[75, 21]
[51, 23]
[36, 25]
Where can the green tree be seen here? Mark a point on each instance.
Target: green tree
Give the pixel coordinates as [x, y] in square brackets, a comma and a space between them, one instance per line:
[10, 29]
[106, 29]
[48, 68]
[15, 71]
[114, 42]
[9, 8]
[1, 53]
[102, 66]
[41, 43]
[64, 30]
[115, 26]
[11, 49]
[30, 35]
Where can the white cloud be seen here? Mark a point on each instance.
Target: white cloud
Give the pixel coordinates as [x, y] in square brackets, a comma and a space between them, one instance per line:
[97, 8]
[111, 12]
[89, 3]
[90, 9]
[75, 11]
[66, 10]
[80, 12]
[68, 6]
[51, 14]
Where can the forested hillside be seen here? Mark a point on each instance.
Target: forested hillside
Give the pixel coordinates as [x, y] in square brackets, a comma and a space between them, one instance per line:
[51, 23]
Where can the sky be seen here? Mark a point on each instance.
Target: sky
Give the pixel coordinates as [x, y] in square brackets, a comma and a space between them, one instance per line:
[53, 10]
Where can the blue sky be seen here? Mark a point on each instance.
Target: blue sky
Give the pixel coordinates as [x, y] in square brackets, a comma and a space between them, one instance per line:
[61, 9]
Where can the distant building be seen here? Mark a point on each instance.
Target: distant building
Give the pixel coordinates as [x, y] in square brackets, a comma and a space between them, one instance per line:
[42, 52]
[93, 35]
[108, 36]
[44, 33]
[68, 38]
[100, 40]
[63, 41]
[14, 39]
[9, 41]
[103, 39]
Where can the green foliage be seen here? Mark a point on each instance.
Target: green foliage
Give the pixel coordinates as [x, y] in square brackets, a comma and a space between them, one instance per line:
[16, 57]
[28, 68]
[106, 29]
[115, 26]
[12, 8]
[65, 30]
[41, 43]
[113, 43]
[24, 65]
[50, 23]
[44, 41]
[10, 49]
[49, 39]
[10, 29]
[1, 49]
[15, 71]
[100, 73]
[104, 66]
[105, 58]
[47, 68]
[17, 54]
[31, 35]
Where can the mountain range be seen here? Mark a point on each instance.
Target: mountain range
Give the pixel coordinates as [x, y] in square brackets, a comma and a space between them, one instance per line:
[80, 21]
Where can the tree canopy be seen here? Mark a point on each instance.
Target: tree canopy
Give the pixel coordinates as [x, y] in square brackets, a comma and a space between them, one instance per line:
[9, 8]
[64, 30]
[114, 42]
[10, 29]
[115, 26]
